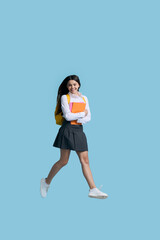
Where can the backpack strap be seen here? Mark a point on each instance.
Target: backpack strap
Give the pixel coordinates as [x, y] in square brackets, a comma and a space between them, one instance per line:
[68, 98]
[84, 99]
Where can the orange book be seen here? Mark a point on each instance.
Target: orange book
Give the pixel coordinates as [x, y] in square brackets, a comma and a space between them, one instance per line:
[76, 107]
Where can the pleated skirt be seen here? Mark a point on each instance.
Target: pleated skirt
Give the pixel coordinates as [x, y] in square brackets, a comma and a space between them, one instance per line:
[71, 137]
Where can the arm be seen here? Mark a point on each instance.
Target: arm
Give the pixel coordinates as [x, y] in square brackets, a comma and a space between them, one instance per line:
[67, 114]
[87, 118]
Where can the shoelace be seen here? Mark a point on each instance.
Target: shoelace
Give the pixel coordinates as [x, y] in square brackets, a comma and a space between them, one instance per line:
[99, 187]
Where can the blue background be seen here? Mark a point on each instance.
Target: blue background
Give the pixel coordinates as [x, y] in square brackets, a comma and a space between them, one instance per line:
[113, 46]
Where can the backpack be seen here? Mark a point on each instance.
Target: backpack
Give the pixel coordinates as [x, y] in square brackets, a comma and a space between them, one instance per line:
[58, 117]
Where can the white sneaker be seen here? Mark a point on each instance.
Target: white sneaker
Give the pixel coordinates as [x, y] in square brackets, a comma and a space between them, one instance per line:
[96, 193]
[44, 188]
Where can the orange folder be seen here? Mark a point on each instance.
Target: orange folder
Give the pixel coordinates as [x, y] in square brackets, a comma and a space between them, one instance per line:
[77, 107]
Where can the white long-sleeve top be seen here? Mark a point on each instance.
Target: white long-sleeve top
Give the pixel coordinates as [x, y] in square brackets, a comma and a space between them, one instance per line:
[68, 115]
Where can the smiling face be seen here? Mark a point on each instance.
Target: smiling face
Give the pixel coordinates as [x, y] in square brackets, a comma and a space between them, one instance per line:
[73, 86]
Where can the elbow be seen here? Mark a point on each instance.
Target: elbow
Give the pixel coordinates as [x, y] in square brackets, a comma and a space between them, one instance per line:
[66, 117]
[89, 118]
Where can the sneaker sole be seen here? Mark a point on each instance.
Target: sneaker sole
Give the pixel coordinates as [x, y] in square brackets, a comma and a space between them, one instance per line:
[99, 197]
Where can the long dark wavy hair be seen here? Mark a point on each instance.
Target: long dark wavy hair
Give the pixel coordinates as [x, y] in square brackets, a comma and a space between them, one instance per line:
[64, 90]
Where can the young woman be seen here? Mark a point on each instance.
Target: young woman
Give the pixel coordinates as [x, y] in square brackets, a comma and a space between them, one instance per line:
[70, 135]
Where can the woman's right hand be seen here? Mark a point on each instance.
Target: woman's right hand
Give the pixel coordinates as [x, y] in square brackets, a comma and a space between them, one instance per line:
[86, 112]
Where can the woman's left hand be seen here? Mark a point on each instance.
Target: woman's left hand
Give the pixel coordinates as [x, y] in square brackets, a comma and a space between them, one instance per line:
[86, 112]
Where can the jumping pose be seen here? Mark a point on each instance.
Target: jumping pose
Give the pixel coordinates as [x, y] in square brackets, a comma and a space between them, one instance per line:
[71, 113]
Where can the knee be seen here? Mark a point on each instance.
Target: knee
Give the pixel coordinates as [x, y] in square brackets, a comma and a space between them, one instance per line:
[85, 160]
[63, 161]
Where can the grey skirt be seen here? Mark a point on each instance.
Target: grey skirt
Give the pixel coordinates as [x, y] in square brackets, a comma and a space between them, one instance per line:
[71, 137]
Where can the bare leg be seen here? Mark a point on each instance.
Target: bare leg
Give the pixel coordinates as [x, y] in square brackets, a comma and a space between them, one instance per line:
[83, 156]
[65, 153]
